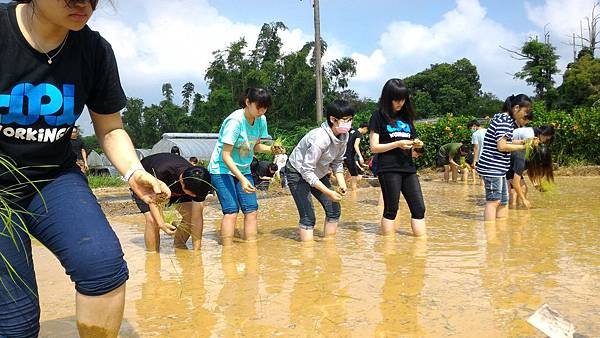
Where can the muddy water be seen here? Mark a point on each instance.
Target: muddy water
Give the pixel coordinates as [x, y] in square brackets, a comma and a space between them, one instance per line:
[465, 279]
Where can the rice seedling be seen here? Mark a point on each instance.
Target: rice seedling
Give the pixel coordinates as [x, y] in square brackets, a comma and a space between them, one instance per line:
[12, 216]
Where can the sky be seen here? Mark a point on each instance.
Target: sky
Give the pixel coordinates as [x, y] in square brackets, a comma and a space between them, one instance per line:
[158, 41]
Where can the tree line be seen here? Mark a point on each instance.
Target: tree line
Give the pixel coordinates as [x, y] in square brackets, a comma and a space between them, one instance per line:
[441, 89]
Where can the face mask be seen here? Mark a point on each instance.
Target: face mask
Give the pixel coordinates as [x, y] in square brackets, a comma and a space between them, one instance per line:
[344, 127]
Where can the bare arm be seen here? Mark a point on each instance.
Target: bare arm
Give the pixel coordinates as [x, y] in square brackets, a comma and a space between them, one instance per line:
[377, 148]
[357, 150]
[84, 155]
[475, 152]
[451, 160]
[228, 160]
[506, 147]
[262, 148]
[341, 181]
[169, 229]
[118, 148]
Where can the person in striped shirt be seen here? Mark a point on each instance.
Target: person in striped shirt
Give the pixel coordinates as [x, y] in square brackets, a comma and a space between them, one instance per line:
[494, 160]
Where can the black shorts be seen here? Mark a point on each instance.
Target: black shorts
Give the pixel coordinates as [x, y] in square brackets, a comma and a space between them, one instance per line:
[441, 161]
[352, 168]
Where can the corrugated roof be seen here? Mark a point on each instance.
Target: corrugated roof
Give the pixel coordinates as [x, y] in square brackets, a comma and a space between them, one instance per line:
[200, 145]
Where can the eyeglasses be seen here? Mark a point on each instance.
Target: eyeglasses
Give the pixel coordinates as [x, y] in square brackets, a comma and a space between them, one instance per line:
[346, 119]
[72, 3]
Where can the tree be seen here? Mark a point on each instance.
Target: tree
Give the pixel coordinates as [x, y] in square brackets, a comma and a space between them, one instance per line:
[581, 83]
[340, 71]
[589, 39]
[541, 64]
[133, 120]
[445, 88]
[187, 93]
[167, 91]
[91, 143]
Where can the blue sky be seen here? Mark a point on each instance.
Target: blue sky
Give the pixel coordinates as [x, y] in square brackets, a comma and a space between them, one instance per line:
[157, 41]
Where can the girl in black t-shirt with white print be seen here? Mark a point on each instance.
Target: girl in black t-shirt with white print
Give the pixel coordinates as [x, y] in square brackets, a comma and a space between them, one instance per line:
[392, 138]
[51, 66]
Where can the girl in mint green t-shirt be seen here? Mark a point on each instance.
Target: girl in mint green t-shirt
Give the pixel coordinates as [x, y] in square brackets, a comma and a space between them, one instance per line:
[229, 166]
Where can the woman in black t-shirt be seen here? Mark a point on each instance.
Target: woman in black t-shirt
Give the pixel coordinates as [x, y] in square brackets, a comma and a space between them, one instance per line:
[51, 66]
[392, 138]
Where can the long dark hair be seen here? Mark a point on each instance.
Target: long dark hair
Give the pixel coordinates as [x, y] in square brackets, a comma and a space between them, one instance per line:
[539, 163]
[395, 89]
[520, 100]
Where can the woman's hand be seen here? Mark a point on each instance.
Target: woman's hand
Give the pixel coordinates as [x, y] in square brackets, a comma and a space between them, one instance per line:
[277, 150]
[405, 144]
[169, 229]
[334, 196]
[147, 187]
[526, 203]
[247, 186]
[418, 143]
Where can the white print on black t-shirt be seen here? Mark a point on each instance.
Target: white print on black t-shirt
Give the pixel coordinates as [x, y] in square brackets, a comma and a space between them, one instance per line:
[399, 134]
[49, 135]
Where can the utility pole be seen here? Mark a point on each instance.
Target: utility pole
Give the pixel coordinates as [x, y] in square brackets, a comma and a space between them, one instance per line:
[318, 71]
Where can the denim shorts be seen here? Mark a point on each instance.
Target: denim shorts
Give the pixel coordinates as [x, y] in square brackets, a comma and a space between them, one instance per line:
[231, 195]
[496, 189]
[67, 220]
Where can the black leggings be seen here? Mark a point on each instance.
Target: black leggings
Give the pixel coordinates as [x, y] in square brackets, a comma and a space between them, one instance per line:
[391, 186]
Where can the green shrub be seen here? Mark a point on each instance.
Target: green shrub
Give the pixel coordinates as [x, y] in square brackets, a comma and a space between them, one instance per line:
[447, 129]
[577, 134]
[104, 181]
[576, 142]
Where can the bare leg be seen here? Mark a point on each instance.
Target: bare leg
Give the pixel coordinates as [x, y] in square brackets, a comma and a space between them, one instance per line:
[454, 172]
[190, 226]
[182, 234]
[329, 229]
[502, 212]
[306, 235]
[228, 228]
[387, 227]
[490, 211]
[418, 227]
[446, 173]
[100, 316]
[151, 233]
[250, 226]
[353, 182]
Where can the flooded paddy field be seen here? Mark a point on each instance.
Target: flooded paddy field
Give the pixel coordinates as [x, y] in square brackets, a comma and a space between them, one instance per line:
[466, 279]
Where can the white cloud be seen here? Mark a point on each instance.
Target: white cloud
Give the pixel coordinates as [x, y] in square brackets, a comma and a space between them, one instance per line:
[562, 15]
[369, 67]
[406, 48]
[174, 41]
[561, 18]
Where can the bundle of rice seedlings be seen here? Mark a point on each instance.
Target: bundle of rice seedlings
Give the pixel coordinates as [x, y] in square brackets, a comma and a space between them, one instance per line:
[277, 147]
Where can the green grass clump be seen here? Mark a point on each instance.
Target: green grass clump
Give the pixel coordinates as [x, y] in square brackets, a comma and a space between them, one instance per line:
[105, 181]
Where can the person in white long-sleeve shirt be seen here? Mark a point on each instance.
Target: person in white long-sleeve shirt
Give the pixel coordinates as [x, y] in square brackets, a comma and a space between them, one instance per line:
[321, 149]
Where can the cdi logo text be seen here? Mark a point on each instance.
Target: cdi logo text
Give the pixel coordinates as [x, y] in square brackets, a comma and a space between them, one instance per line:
[44, 101]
